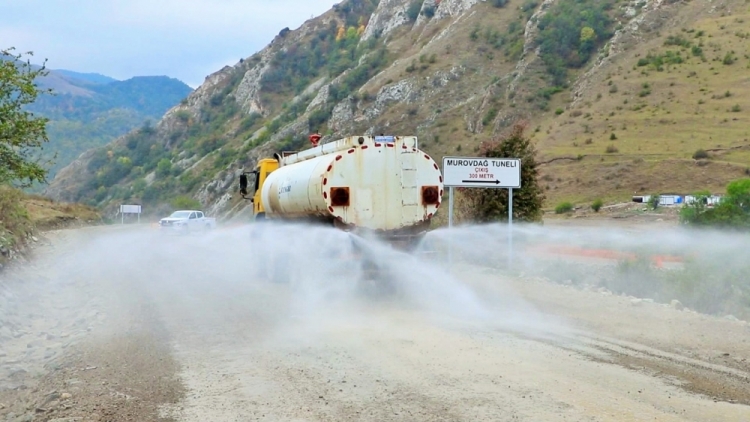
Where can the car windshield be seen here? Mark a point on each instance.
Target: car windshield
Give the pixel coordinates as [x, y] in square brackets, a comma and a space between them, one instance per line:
[180, 214]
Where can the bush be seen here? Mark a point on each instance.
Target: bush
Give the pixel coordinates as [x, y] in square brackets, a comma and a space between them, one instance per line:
[611, 149]
[489, 117]
[700, 155]
[563, 208]
[429, 11]
[164, 168]
[182, 115]
[653, 201]
[613, 137]
[499, 3]
[597, 205]
[559, 111]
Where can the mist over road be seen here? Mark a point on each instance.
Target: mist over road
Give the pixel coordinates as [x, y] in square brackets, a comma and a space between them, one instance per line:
[123, 324]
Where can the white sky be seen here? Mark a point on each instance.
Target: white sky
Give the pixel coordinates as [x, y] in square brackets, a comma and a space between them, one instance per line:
[183, 39]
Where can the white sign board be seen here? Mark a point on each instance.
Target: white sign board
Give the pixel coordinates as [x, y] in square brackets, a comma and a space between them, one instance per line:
[480, 172]
[130, 209]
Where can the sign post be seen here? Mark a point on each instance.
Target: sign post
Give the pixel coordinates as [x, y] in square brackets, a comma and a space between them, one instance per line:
[481, 172]
[130, 209]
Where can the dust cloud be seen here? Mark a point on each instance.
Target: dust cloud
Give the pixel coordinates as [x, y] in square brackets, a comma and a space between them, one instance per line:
[297, 284]
[283, 281]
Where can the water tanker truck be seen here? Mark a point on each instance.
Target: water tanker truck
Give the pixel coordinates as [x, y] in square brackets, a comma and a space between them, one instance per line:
[372, 186]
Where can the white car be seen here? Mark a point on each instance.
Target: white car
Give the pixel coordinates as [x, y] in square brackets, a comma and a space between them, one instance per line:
[186, 221]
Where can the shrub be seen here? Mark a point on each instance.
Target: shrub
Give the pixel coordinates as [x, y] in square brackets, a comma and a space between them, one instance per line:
[653, 201]
[489, 117]
[611, 149]
[164, 168]
[736, 108]
[700, 155]
[613, 137]
[499, 3]
[597, 205]
[182, 115]
[559, 111]
[563, 208]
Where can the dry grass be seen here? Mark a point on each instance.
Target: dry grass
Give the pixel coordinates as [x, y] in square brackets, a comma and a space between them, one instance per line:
[46, 214]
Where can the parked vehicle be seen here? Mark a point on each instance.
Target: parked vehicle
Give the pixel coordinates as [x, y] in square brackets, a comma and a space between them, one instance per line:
[186, 221]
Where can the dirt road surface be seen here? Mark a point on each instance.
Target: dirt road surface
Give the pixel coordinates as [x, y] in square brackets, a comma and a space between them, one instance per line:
[121, 324]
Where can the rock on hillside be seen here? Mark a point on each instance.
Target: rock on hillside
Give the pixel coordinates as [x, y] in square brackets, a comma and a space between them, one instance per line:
[453, 72]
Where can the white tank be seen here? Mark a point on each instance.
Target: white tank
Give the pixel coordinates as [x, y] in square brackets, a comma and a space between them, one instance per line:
[382, 183]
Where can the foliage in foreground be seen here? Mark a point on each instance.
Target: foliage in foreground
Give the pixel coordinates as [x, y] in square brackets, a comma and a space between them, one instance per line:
[21, 132]
[491, 205]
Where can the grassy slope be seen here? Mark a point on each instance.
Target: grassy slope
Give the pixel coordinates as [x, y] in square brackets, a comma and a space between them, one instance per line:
[46, 214]
[657, 134]
[21, 214]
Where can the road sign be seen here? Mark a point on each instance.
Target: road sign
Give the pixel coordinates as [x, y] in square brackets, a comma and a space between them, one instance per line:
[130, 209]
[480, 172]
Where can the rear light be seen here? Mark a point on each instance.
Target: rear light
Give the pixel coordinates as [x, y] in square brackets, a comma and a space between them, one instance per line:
[340, 197]
[430, 195]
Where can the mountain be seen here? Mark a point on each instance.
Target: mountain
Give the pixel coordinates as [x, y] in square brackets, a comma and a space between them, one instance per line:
[89, 110]
[94, 78]
[619, 96]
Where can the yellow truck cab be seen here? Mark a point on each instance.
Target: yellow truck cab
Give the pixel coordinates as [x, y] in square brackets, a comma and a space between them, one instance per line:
[265, 167]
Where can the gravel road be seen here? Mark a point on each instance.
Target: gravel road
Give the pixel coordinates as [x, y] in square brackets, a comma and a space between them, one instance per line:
[122, 324]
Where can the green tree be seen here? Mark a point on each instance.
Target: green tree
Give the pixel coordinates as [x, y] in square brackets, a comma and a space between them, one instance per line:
[21, 132]
[489, 205]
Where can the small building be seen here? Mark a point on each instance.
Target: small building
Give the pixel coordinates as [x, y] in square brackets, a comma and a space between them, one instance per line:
[671, 199]
[708, 200]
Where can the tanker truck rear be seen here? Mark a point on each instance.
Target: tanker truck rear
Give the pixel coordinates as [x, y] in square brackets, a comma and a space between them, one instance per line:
[381, 186]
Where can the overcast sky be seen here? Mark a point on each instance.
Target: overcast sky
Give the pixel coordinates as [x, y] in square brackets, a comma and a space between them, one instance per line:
[183, 39]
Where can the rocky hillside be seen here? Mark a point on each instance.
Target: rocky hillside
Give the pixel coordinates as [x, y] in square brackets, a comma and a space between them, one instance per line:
[89, 110]
[619, 95]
